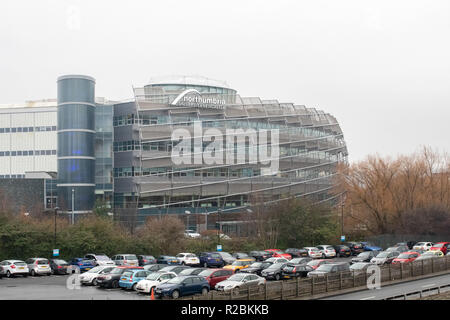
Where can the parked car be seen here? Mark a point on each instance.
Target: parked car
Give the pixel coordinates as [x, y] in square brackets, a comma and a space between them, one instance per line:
[430, 254]
[130, 278]
[1, 272]
[239, 264]
[277, 253]
[126, 260]
[181, 286]
[176, 269]
[291, 270]
[260, 255]
[12, 268]
[367, 246]
[274, 271]
[297, 253]
[226, 257]
[327, 251]
[100, 259]
[191, 234]
[188, 259]
[342, 250]
[240, 255]
[355, 247]
[83, 264]
[441, 246]
[154, 267]
[399, 249]
[152, 280]
[240, 280]
[111, 279]
[214, 276]
[360, 268]
[167, 260]
[257, 267]
[313, 252]
[191, 271]
[90, 277]
[144, 260]
[316, 263]
[406, 257]
[330, 268]
[300, 260]
[365, 256]
[38, 266]
[211, 259]
[409, 244]
[59, 266]
[423, 245]
[277, 260]
[384, 257]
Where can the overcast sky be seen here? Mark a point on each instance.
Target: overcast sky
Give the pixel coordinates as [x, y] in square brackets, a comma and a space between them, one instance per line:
[382, 68]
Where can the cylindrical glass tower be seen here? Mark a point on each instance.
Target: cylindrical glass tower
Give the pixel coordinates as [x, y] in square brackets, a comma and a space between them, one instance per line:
[76, 138]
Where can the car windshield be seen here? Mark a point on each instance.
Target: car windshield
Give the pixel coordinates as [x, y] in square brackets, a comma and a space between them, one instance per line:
[403, 256]
[329, 248]
[60, 261]
[131, 258]
[364, 254]
[438, 245]
[420, 244]
[383, 254]
[256, 265]
[215, 256]
[206, 273]
[325, 268]
[95, 270]
[240, 263]
[180, 255]
[276, 266]
[226, 255]
[103, 258]
[237, 277]
[314, 263]
[175, 280]
[358, 266]
[153, 276]
[118, 271]
[42, 261]
[20, 263]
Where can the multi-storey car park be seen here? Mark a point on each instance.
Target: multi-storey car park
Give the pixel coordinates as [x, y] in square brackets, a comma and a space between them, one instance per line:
[141, 156]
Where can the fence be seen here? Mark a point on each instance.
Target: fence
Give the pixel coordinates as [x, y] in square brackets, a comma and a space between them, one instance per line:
[299, 288]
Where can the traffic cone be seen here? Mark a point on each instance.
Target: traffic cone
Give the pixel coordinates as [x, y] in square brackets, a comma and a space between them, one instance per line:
[152, 296]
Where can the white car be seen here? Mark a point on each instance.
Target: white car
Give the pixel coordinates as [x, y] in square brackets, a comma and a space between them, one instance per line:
[423, 245]
[240, 280]
[188, 259]
[13, 268]
[327, 251]
[314, 252]
[100, 259]
[38, 266]
[90, 276]
[152, 280]
[191, 234]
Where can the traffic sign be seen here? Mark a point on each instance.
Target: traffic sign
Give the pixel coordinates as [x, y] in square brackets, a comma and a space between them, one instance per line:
[55, 252]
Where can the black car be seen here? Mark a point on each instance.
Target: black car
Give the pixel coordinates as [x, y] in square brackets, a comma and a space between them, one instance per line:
[111, 279]
[145, 260]
[274, 271]
[300, 260]
[342, 250]
[257, 267]
[365, 256]
[295, 270]
[59, 266]
[260, 255]
[355, 247]
[297, 253]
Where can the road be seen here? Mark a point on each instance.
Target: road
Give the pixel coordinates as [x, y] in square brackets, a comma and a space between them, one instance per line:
[393, 290]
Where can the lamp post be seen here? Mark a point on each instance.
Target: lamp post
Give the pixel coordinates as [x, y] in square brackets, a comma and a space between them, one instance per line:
[56, 211]
[73, 205]
[218, 224]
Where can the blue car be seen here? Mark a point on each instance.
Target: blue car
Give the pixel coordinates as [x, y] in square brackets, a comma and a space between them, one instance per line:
[182, 286]
[167, 260]
[130, 278]
[82, 263]
[211, 259]
[367, 246]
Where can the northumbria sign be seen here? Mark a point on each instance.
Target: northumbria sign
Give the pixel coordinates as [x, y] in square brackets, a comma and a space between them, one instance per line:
[193, 98]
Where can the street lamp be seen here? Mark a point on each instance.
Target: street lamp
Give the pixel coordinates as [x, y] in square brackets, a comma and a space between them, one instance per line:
[56, 211]
[73, 206]
[218, 223]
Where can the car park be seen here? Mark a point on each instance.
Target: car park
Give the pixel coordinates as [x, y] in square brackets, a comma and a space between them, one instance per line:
[355, 247]
[326, 251]
[111, 279]
[12, 268]
[154, 267]
[316, 263]
[313, 252]
[239, 264]
[99, 259]
[126, 260]
[59, 266]
[130, 278]
[226, 257]
[182, 286]
[82, 264]
[90, 276]
[368, 246]
[274, 272]
[406, 257]
[291, 270]
[239, 281]
[384, 257]
[214, 276]
[257, 267]
[330, 268]
[423, 245]
[188, 259]
[211, 259]
[167, 260]
[297, 253]
[365, 256]
[441, 246]
[38, 266]
[260, 255]
[399, 249]
[277, 253]
[146, 259]
[152, 280]
[176, 269]
[342, 250]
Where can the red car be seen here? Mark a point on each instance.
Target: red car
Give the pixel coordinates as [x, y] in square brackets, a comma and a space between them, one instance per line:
[214, 276]
[277, 253]
[406, 257]
[442, 246]
[317, 263]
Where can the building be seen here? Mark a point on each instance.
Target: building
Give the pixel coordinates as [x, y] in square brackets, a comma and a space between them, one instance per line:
[181, 145]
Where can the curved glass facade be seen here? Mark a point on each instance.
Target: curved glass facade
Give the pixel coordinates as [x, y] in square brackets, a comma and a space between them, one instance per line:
[76, 143]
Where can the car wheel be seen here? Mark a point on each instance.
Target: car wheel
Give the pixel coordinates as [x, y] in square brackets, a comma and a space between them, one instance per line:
[49, 274]
[115, 284]
[25, 275]
[175, 294]
[277, 276]
[204, 291]
[33, 273]
[53, 271]
[94, 282]
[235, 291]
[9, 274]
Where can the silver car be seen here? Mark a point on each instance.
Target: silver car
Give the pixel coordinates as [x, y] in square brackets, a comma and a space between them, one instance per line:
[240, 280]
[100, 259]
[38, 266]
[125, 260]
